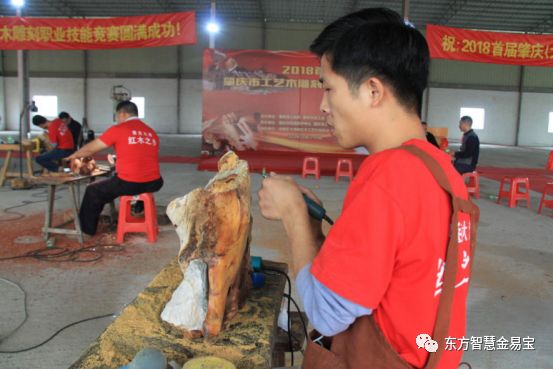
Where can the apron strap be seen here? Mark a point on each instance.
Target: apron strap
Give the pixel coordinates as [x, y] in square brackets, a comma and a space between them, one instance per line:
[441, 327]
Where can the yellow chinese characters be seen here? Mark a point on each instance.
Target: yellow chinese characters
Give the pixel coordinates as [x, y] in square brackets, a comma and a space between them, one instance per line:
[87, 34]
[253, 82]
[499, 49]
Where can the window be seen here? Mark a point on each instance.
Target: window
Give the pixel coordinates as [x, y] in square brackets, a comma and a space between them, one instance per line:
[47, 106]
[140, 104]
[550, 126]
[477, 115]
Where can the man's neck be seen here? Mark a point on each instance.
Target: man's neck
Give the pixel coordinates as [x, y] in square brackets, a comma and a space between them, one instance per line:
[129, 118]
[394, 131]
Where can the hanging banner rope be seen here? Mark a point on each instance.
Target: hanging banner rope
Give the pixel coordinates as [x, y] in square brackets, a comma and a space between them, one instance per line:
[489, 47]
[19, 33]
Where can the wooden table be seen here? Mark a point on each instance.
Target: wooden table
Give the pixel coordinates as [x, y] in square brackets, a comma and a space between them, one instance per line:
[27, 148]
[248, 341]
[73, 181]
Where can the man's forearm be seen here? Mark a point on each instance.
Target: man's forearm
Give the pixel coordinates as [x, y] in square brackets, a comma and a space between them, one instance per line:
[303, 243]
[83, 152]
[89, 149]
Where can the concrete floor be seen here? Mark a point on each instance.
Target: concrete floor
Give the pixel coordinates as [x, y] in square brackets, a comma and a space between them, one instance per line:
[511, 293]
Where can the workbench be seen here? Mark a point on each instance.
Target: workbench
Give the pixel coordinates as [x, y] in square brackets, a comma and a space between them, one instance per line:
[73, 181]
[26, 148]
[248, 341]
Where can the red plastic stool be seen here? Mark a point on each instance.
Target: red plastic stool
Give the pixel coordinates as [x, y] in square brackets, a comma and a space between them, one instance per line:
[347, 172]
[514, 193]
[473, 185]
[548, 203]
[549, 165]
[145, 224]
[315, 169]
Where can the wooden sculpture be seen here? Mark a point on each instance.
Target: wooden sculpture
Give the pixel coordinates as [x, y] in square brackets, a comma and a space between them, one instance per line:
[214, 226]
[83, 166]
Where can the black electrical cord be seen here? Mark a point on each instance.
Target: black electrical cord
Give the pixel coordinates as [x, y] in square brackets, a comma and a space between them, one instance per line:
[56, 253]
[290, 344]
[3, 338]
[301, 317]
[26, 314]
[55, 334]
[19, 215]
[63, 254]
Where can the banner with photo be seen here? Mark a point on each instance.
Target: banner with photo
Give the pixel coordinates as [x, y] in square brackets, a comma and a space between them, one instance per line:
[489, 47]
[21, 33]
[263, 100]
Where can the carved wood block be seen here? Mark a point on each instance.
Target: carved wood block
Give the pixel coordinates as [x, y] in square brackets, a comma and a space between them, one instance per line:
[214, 226]
[84, 166]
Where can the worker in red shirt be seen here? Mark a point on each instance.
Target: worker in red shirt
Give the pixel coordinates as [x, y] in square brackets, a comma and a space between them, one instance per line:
[372, 286]
[137, 150]
[60, 138]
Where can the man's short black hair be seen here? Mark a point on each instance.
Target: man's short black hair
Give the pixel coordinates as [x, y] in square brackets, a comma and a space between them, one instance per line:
[376, 42]
[64, 115]
[39, 120]
[127, 107]
[466, 119]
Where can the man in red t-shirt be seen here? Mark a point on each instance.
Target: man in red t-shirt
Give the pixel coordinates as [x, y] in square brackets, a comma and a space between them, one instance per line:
[60, 139]
[384, 255]
[137, 150]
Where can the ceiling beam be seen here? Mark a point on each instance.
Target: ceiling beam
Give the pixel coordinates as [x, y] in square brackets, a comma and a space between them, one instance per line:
[64, 8]
[261, 10]
[454, 7]
[165, 5]
[543, 26]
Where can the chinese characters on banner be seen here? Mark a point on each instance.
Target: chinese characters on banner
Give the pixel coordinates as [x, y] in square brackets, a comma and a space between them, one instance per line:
[264, 101]
[18, 33]
[489, 47]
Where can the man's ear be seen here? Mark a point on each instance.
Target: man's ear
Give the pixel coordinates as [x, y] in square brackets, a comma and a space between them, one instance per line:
[374, 91]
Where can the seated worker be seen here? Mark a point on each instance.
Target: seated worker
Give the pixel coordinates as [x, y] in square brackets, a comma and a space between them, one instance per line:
[429, 136]
[466, 158]
[137, 148]
[375, 280]
[75, 127]
[61, 142]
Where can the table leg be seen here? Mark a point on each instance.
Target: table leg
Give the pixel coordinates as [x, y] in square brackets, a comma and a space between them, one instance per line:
[76, 213]
[49, 211]
[29, 163]
[4, 171]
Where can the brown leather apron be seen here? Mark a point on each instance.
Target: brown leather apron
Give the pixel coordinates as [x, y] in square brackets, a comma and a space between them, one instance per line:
[363, 345]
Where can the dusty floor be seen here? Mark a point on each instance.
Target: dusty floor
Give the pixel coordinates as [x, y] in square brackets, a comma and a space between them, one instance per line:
[511, 294]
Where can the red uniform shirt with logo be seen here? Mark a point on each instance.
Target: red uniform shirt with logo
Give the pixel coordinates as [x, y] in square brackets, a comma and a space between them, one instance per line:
[386, 251]
[61, 135]
[137, 148]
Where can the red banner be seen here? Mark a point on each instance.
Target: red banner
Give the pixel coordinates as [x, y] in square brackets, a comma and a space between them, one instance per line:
[17, 33]
[264, 101]
[489, 47]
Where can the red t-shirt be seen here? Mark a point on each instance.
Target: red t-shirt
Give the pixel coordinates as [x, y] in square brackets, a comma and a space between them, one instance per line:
[60, 135]
[386, 250]
[137, 148]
